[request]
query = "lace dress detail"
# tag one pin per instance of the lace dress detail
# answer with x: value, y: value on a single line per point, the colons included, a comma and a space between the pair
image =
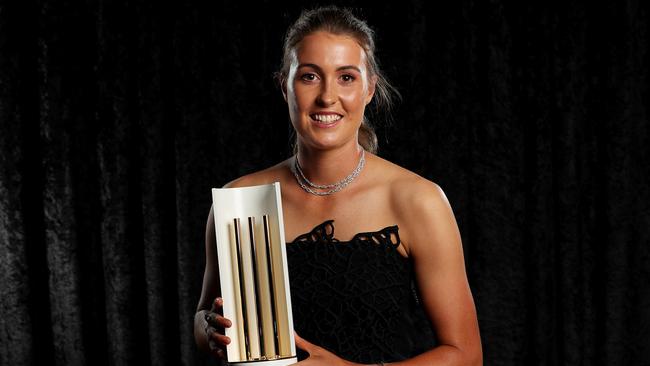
x: 357, y: 298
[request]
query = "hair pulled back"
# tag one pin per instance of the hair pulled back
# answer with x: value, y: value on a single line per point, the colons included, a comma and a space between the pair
x: 341, y: 21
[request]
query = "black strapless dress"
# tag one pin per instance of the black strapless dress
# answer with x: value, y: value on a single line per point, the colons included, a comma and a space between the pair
x: 357, y: 298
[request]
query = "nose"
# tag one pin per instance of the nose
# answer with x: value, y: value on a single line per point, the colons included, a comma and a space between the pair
x: 327, y: 95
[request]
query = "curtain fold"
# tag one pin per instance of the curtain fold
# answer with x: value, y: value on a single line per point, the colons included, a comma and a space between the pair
x: 14, y: 267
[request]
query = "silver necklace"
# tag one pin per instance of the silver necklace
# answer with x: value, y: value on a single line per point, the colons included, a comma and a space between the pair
x: 331, y: 188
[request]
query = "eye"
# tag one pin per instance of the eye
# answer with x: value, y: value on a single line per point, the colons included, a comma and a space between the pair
x: 347, y: 78
x: 308, y: 77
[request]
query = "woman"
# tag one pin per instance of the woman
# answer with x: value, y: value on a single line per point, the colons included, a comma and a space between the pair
x: 390, y: 286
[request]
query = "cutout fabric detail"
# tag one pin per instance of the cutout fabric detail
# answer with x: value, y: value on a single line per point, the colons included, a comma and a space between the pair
x: 324, y: 232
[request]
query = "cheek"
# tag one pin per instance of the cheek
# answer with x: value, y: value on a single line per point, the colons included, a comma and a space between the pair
x: 294, y: 100
x: 354, y: 100
x: 301, y: 97
x: 298, y: 102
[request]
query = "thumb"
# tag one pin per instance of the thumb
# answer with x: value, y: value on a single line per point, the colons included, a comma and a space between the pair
x: 303, y: 344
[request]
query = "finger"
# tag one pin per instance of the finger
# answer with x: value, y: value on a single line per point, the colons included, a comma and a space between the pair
x: 213, y: 335
x: 217, y: 304
x: 220, y: 339
x: 303, y: 344
x: 217, y: 320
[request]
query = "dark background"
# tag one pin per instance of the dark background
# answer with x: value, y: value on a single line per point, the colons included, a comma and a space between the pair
x: 117, y: 117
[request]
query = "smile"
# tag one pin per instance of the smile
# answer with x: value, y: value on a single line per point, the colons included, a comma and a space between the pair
x: 326, y: 119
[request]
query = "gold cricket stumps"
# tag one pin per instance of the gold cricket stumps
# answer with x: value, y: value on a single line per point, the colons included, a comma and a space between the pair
x: 253, y: 275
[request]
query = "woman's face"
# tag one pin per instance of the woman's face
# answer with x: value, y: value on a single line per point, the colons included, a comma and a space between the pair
x: 327, y: 90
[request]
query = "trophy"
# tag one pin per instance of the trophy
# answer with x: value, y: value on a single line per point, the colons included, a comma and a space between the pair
x: 253, y: 274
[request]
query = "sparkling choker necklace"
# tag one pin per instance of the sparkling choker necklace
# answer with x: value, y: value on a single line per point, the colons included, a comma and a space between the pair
x: 331, y: 188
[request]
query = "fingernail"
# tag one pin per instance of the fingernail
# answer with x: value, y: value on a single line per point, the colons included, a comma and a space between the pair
x: 229, y: 324
x: 219, y: 301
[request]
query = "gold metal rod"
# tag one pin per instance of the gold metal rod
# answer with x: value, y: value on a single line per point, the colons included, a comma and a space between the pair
x: 269, y: 261
x: 242, y: 288
x: 258, y: 301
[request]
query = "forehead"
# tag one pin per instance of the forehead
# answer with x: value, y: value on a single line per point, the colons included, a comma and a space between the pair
x: 323, y: 48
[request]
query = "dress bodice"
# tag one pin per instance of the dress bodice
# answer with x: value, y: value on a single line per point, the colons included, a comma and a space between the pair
x: 357, y: 298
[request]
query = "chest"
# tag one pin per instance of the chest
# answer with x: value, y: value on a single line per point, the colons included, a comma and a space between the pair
x: 351, y: 215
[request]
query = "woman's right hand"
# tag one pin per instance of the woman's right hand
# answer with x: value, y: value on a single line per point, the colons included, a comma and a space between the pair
x: 215, y: 329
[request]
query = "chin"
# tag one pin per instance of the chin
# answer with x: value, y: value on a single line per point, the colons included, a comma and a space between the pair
x: 325, y: 138
x: 323, y: 143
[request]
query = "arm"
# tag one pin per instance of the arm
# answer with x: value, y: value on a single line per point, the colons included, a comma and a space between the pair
x: 209, y: 301
x: 435, y: 247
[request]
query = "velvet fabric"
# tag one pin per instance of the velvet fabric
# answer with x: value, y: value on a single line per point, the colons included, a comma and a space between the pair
x: 117, y: 117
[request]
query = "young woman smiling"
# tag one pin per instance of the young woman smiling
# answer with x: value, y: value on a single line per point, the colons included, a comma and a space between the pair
x: 390, y: 286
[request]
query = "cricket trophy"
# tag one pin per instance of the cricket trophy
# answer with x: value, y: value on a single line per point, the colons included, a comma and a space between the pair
x: 253, y: 275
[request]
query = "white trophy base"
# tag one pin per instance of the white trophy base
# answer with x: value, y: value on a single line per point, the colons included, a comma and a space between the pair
x: 280, y: 362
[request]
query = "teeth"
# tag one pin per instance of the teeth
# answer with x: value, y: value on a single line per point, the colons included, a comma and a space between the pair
x: 327, y: 118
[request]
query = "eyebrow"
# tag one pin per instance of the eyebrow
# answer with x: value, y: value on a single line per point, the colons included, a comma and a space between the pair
x: 346, y: 67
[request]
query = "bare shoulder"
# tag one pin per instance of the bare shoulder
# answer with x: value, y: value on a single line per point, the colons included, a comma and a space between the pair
x: 269, y: 175
x: 415, y: 196
x: 420, y: 207
x: 409, y: 192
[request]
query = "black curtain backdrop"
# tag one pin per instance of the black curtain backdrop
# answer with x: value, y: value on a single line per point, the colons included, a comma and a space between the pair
x: 117, y: 117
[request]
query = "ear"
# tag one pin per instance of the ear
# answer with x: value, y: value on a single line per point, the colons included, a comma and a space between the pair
x: 372, y: 86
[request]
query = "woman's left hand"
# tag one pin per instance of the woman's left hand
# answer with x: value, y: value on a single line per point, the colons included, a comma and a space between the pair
x: 318, y: 355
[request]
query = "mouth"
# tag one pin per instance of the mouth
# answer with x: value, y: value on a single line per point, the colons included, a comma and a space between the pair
x: 325, y: 120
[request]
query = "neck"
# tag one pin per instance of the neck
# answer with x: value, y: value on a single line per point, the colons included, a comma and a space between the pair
x: 329, y: 166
